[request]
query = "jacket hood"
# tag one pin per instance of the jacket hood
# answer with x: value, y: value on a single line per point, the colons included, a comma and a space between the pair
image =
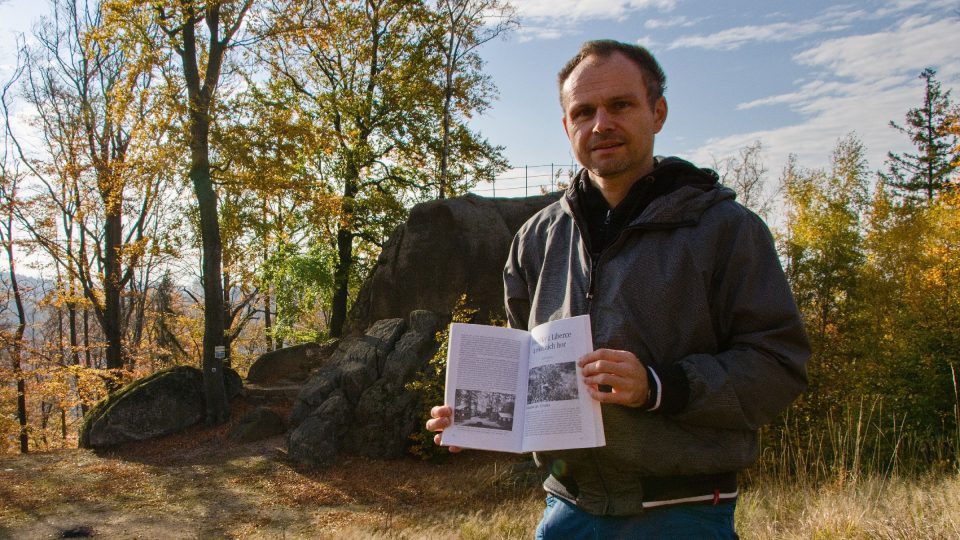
x: 681, y: 168
x: 687, y: 191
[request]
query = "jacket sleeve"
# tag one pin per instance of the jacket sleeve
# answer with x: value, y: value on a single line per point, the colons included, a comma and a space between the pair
x: 516, y: 293
x: 761, y: 366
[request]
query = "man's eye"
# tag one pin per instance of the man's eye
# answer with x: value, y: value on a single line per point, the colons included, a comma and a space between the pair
x: 580, y: 114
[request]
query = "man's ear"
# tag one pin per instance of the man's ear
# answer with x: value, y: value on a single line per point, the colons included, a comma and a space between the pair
x: 659, y: 114
x: 565, y: 128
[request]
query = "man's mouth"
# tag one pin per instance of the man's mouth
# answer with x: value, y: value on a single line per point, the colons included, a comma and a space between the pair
x: 605, y: 145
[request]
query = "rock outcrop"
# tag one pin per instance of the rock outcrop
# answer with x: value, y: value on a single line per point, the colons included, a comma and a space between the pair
x: 356, y: 402
x: 446, y: 248
x: 289, y: 364
x: 260, y: 423
x: 166, y: 402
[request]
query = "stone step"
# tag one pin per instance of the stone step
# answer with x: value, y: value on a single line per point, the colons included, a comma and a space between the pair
x: 274, y: 392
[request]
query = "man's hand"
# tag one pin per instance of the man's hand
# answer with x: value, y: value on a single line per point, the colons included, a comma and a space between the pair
x: 621, y: 371
x: 441, y: 417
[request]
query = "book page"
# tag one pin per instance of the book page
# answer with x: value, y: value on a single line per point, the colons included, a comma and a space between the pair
x: 486, y: 380
x: 559, y: 412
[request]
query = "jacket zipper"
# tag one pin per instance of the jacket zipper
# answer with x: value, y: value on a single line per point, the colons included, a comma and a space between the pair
x: 595, y: 261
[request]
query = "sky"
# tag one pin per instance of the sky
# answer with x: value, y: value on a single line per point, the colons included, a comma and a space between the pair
x: 795, y: 75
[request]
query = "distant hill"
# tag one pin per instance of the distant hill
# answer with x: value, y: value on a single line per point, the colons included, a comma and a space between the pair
x: 32, y: 291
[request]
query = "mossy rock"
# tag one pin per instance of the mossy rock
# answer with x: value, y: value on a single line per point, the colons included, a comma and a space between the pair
x: 166, y: 402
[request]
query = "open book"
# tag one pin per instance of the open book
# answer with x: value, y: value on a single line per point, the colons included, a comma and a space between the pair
x: 518, y: 391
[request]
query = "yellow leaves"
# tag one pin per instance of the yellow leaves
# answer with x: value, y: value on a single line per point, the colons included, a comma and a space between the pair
x: 934, y: 277
x: 135, y: 250
x: 951, y: 126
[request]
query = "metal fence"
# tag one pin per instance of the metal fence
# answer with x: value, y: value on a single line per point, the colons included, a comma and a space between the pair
x: 526, y: 180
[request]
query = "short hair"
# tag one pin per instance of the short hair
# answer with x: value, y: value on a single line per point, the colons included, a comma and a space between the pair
x: 653, y: 75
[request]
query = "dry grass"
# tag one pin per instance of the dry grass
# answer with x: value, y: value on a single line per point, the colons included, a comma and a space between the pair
x: 253, y: 495
x: 871, y: 508
x: 198, y: 485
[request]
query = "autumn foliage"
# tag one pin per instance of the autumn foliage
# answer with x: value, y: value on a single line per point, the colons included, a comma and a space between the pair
x: 326, y: 122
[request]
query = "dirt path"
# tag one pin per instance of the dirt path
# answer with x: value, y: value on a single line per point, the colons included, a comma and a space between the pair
x: 199, y: 486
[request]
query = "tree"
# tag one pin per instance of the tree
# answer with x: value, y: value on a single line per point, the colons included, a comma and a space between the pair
x: 364, y: 75
x: 911, y: 309
x: 168, y: 344
x: 466, y: 89
x: 745, y: 174
x: 823, y: 251
x: 180, y: 22
x: 10, y: 178
x: 953, y: 128
x: 264, y: 193
x: 928, y: 171
x: 201, y: 34
x: 356, y: 69
x: 98, y: 121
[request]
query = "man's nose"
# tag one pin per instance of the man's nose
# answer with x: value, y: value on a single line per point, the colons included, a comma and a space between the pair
x: 602, y: 121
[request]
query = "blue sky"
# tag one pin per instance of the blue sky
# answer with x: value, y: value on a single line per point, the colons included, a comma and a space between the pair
x: 795, y: 75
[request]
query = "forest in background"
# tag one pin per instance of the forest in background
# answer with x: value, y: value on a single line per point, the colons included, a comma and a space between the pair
x: 265, y: 151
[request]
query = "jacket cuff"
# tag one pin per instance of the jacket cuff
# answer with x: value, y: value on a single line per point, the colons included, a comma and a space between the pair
x: 669, y: 390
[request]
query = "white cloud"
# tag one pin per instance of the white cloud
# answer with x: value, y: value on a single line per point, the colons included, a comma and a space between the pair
x: 734, y: 38
x: 831, y: 117
x: 899, y: 6
x: 537, y: 32
x: 833, y: 19
x: 862, y: 82
x: 808, y: 90
x: 588, y: 9
x: 917, y: 42
x: 671, y: 22
x: 553, y: 19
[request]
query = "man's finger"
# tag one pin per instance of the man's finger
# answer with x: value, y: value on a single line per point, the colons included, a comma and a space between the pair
x: 440, y: 411
x: 438, y: 424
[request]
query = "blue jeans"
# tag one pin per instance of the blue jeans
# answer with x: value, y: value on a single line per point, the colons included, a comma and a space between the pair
x: 562, y: 520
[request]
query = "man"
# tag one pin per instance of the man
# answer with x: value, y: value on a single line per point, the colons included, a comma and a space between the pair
x: 699, y: 339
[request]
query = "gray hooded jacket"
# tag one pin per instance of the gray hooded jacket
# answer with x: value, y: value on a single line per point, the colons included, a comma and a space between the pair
x: 695, y: 280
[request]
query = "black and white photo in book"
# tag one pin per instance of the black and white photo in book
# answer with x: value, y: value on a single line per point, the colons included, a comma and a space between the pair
x: 553, y: 382
x: 491, y: 410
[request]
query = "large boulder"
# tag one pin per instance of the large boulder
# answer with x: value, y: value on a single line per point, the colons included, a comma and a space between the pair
x: 289, y: 364
x: 166, y: 402
x: 260, y: 423
x: 357, y: 403
x: 445, y: 249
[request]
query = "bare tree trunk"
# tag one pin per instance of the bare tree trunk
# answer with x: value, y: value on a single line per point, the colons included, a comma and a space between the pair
x: 17, y: 351
x: 112, y: 287
x: 228, y: 319
x: 341, y: 275
x: 213, y: 324
x: 267, y: 320
x: 267, y: 316
x: 341, y: 281
x: 86, y: 338
x: 447, y: 103
x: 22, y: 408
x: 200, y: 91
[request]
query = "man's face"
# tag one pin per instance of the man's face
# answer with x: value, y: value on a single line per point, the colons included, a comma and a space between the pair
x: 609, y: 120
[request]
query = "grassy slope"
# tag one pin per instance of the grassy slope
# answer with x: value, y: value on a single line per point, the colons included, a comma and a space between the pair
x: 198, y: 485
